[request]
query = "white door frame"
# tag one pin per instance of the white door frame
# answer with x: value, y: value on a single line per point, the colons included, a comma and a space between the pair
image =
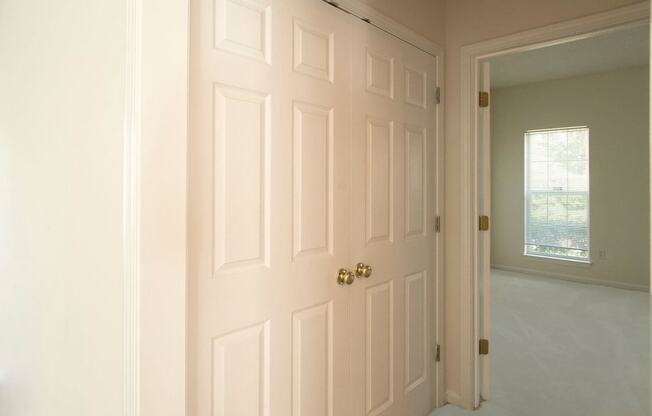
x: 154, y: 200
x: 471, y: 57
x: 154, y: 206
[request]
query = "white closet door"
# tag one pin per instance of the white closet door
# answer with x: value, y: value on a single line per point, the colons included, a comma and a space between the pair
x: 392, y: 225
x: 269, y: 208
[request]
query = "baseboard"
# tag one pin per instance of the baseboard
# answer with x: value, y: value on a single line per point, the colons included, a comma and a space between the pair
x: 573, y: 278
x: 453, y: 398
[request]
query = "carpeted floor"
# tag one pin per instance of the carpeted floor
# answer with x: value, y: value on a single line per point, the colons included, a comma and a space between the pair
x: 566, y: 349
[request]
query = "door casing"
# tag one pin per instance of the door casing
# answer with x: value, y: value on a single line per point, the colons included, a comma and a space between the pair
x: 154, y: 207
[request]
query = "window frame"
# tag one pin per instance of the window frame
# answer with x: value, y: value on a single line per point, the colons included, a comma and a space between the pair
x: 546, y: 257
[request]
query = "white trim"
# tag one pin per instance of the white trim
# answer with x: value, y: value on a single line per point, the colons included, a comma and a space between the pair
x: 453, y: 397
x: 471, y: 56
x: 154, y: 253
x: 390, y: 25
x: 131, y: 208
x: 572, y: 278
x: 558, y: 260
x: 484, y: 241
x: 440, y: 255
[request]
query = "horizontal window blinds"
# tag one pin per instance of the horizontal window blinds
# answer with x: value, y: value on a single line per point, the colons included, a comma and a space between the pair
x: 557, y: 193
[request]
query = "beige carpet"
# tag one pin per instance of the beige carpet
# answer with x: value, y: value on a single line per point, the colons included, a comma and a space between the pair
x: 566, y: 349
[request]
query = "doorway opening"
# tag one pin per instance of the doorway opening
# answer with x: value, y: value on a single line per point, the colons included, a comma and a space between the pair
x: 561, y: 151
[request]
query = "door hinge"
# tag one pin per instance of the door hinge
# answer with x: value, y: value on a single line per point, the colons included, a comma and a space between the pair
x: 483, y: 223
x: 438, y: 95
x: 437, y: 353
x: 437, y: 224
x: 484, y: 346
x: 483, y: 99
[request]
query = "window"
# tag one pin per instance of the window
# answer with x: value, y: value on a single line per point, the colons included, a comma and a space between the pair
x: 557, y: 193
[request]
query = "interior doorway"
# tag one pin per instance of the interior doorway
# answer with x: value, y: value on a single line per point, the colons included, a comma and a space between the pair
x: 553, y: 156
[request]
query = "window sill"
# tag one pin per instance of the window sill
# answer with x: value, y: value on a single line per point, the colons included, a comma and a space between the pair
x: 546, y: 259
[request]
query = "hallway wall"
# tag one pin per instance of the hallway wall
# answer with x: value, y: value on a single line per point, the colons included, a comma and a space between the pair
x: 614, y: 106
x: 467, y: 22
x: 62, y: 67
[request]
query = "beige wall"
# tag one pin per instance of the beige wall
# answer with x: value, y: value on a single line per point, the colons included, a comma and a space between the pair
x: 425, y: 17
x: 62, y: 70
x: 614, y: 106
x: 467, y: 22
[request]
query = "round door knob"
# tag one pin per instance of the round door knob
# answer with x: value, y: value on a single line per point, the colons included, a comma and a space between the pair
x: 345, y: 277
x: 363, y: 270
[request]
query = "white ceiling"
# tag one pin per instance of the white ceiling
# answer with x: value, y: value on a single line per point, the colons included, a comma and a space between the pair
x: 616, y: 50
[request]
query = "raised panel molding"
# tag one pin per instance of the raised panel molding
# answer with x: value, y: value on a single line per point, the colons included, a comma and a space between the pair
x: 313, y: 52
x: 241, y: 178
x: 415, y: 86
x: 243, y: 27
x: 380, y: 74
x: 312, y: 361
x: 415, y: 330
x: 313, y: 179
x: 380, y: 181
x: 241, y: 372
x: 379, y: 334
x: 415, y: 181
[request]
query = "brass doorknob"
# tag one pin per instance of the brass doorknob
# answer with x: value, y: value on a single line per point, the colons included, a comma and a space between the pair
x: 345, y: 277
x: 363, y: 270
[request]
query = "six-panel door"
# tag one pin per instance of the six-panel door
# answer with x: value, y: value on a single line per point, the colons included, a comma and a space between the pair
x: 393, y: 219
x: 269, y: 208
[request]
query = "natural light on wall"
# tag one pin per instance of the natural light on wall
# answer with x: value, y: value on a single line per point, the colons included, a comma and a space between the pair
x: 557, y: 193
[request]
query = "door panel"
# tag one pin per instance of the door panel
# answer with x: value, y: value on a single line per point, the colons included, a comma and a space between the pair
x: 380, y: 180
x: 241, y: 362
x: 392, y: 226
x: 416, y: 342
x: 241, y: 133
x: 312, y: 361
x: 415, y: 181
x: 268, y: 208
x: 379, y: 333
x: 313, y: 172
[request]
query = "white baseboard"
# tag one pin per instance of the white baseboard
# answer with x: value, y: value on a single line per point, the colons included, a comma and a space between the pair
x: 573, y: 278
x: 453, y: 398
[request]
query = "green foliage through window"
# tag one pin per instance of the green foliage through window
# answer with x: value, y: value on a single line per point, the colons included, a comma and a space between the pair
x: 557, y: 193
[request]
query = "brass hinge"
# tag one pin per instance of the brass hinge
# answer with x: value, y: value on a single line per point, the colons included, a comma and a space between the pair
x: 438, y: 95
x: 483, y: 99
x: 437, y: 224
x: 484, y: 346
x: 437, y: 353
x: 483, y: 223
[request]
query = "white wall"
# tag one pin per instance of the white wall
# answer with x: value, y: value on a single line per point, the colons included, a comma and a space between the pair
x: 62, y: 71
x: 614, y: 105
x: 467, y: 22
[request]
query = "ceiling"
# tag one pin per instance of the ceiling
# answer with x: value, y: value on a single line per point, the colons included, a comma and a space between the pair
x: 616, y: 50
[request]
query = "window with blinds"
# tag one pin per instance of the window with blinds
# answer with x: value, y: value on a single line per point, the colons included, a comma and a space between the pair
x: 557, y: 193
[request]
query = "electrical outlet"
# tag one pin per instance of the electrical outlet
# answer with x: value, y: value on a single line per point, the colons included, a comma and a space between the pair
x: 602, y: 253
